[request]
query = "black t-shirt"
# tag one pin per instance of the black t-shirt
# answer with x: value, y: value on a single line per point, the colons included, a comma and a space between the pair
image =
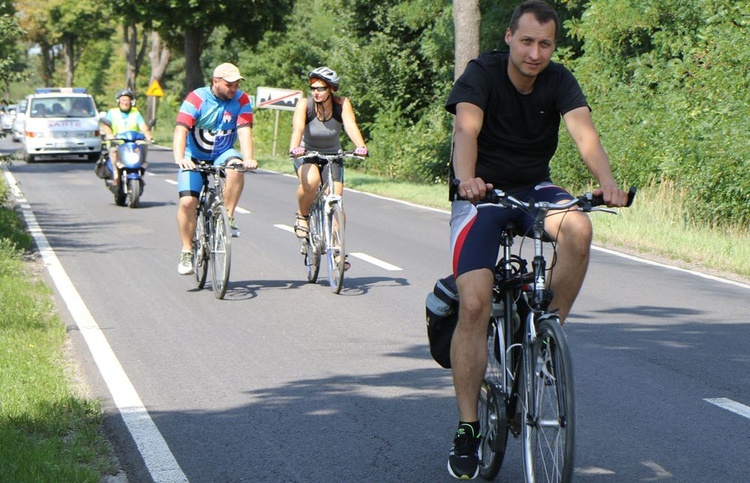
x: 520, y: 132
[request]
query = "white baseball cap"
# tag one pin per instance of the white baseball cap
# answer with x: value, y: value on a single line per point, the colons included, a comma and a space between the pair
x: 228, y: 72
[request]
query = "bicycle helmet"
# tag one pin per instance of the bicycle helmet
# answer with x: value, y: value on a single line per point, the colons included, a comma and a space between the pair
x: 326, y: 75
x: 125, y: 92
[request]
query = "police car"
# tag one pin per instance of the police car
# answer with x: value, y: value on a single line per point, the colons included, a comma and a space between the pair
x: 61, y: 122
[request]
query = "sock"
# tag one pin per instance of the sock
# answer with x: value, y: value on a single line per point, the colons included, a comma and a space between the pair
x: 474, y: 425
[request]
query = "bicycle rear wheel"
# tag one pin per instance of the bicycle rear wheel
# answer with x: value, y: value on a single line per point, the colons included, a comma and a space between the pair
x: 492, y: 412
x: 200, y: 258
x: 221, y: 251
x: 336, y: 251
x: 312, y: 247
x: 549, y: 422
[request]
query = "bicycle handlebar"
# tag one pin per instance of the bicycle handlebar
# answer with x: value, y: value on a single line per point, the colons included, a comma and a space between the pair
x: 586, y: 202
x: 331, y: 157
x: 216, y: 168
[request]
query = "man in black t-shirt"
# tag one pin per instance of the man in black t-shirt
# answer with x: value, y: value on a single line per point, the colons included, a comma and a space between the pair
x: 507, y: 110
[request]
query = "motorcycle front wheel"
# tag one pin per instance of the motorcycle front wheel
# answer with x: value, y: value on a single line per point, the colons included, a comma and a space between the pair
x: 134, y: 191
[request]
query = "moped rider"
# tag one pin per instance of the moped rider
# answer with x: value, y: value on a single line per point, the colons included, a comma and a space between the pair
x: 125, y: 117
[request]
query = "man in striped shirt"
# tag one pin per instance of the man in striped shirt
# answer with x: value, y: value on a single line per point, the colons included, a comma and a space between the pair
x: 210, y: 121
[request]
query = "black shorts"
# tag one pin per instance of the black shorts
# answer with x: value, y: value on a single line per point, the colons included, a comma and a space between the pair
x: 337, y: 168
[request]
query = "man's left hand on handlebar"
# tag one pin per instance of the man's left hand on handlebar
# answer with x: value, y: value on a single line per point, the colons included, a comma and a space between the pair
x: 250, y: 164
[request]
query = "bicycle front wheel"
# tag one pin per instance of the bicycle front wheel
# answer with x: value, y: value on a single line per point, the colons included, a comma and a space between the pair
x: 312, y: 247
x: 200, y: 253
x: 336, y: 252
x: 549, y: 423
x: 221, y: 251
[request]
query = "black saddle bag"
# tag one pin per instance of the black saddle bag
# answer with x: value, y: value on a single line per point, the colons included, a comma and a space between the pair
x: 441, y: 309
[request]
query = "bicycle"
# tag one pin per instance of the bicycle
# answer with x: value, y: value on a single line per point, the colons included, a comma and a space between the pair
x: 213, y: 234
x: 326, y: 224
x: 529, y: 387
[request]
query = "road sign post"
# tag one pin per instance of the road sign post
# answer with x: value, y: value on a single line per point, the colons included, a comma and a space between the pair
x: 153, y: 94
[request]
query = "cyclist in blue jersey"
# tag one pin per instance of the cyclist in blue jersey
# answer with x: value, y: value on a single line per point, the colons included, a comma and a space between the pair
x: 210, y: 120
x: 124, y: 117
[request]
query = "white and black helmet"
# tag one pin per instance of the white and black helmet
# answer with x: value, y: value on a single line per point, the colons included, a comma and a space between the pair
x: 125, y: 92
x: 326, y: 75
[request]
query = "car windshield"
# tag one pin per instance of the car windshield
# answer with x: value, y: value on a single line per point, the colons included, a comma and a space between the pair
x: 62, y: 107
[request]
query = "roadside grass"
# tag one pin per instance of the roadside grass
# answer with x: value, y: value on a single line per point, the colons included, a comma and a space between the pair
x: 655, y: 227
x: 48, y: 431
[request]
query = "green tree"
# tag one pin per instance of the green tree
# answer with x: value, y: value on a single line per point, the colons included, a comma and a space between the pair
x: 668, y: 83
x: 11, y: 59
x: 77, y: 25
x: 187, y: 26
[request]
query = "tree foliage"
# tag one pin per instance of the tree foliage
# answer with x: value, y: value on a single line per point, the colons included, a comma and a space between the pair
x: 671, y: 95
x: 187, y: 26
x: 11, y: 59
x: 667, y: 79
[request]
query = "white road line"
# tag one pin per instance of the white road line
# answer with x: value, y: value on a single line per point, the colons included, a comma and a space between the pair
x: 657, y: 264
x: 156, y: 454
x: 375, y: 261
x: 285, y: 228
x: 362, y: 256
x: 730, y: 405
x: 237, y: 209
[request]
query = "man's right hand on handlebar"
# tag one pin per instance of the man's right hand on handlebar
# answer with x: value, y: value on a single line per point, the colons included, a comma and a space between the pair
x: 185, y: 164
x: 472, y: 189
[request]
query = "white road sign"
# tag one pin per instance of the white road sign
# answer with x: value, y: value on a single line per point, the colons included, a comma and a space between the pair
x: 271, y: 98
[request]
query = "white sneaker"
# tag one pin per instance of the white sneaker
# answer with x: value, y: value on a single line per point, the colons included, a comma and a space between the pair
x: 186, y: 263
x: 234, y: 227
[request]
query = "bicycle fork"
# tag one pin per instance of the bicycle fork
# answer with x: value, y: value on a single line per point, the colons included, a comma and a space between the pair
x: 329, y: 202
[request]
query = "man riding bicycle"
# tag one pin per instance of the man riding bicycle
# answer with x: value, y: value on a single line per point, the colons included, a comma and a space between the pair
x: 507, y: 108
x: 210, y: 120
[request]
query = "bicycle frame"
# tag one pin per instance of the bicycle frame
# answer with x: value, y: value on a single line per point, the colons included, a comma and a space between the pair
x: 543, y: 384
x: 323, y: 203
x: 326, y: 224
x: 212, y: 240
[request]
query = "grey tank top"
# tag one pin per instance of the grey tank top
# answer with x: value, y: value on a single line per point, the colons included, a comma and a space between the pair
x: 323, y: 136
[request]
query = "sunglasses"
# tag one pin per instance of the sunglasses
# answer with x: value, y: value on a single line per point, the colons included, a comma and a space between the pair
x: 318, y: 89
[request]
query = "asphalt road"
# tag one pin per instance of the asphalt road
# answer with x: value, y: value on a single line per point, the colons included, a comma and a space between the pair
x: 285, y: 381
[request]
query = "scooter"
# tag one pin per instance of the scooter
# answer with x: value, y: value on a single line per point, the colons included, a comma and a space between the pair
x: 131, y: 157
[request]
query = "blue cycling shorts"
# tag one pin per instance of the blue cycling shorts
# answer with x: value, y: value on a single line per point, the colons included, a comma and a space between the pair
x: 476, y: 230
x: 190, y: 183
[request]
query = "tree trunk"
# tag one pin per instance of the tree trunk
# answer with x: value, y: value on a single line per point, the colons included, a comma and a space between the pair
x: 467, y: 20
x: 48, y: 64
x: 159, y: 57
x: 134, y: 53
x: 130, y: 42
x: 69, y: 54
x: 193, y: 49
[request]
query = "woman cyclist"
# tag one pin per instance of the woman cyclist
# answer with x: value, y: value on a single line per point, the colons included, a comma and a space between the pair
x: 317, y: 124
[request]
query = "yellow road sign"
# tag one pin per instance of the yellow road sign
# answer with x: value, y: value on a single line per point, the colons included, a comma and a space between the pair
x: 155, y: 89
